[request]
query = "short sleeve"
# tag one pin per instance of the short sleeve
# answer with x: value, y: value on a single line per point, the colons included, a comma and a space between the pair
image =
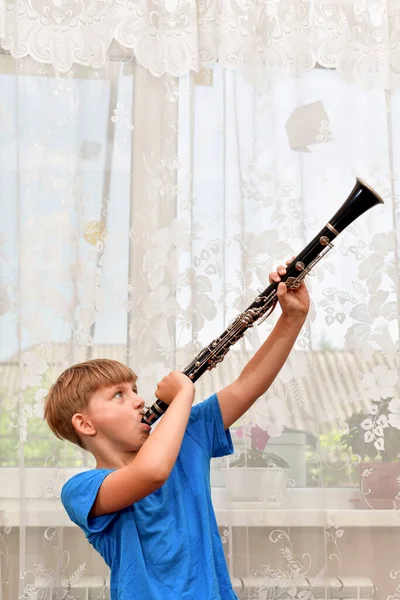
x: 206, y: 427
x: 78, y: 496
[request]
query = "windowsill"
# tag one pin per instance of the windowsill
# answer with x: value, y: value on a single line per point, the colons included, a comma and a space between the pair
x: 32, y: 508
x: 48, y: 513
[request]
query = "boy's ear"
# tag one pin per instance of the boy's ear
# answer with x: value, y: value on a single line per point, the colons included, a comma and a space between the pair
x: 83, y: 425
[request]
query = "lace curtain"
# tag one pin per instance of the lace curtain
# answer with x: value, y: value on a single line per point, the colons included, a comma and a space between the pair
x: 139, y: 215
x: 263, y: 38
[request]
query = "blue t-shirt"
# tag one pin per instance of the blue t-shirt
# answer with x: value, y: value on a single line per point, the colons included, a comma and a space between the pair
x: 167, y: 545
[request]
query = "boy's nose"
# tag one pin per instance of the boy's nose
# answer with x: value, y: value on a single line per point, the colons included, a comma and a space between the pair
x: 139, y: 402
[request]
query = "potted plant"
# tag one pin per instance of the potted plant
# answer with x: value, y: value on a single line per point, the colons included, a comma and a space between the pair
x: 254, y: 475
x: 374, y: 441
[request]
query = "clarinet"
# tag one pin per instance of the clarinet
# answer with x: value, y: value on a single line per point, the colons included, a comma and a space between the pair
x: 361, y: 199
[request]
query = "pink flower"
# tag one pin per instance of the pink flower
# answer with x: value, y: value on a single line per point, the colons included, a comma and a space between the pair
x: 259, y: 438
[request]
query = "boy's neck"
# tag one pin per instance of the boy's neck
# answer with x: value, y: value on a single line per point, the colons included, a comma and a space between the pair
x: 112, y: 459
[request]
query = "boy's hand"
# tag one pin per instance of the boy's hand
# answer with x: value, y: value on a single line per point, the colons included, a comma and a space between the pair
x: 173, y: 383
x: 293, y: 301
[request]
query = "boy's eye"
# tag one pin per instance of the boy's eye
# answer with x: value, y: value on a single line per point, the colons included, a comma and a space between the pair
x: 118, y: 394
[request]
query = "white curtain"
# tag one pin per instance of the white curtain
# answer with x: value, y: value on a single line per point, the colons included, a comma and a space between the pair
x: 264, y: 38
x: 142, y: 207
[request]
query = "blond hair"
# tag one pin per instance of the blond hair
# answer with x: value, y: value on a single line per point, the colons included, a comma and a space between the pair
x: 72, y: 391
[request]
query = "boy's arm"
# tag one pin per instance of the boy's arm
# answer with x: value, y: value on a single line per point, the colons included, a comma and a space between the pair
x: 261, y: 370
x: 153, y: 463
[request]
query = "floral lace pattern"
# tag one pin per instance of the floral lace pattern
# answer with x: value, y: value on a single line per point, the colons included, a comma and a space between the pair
x: 264, y: 39
x: 137, y: 222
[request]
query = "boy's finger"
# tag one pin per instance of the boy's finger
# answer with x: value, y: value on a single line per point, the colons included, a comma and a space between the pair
x: 282, y: 289
x: 281, y: 270
x: 274, y: 277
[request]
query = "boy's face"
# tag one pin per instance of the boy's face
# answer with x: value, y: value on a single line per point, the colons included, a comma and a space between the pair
x: 116, y: 414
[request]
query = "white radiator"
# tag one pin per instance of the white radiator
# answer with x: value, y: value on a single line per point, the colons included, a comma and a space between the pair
x: 87, y: 588
x: 257, y: 588
x: 329, y: 588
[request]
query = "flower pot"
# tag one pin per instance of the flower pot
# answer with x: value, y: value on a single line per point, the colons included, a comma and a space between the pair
x: 291, y: 446
x: 379, y: 485
x: 256, y: 484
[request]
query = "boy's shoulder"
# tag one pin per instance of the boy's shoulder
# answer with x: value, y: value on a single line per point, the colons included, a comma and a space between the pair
x: 206, y: 428
x: 83, y: 478
x: 204, y: 408
x: 79, y: 493
x: 82, y: 485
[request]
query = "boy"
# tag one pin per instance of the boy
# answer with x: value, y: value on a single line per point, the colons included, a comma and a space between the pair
x: 146, y: 508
